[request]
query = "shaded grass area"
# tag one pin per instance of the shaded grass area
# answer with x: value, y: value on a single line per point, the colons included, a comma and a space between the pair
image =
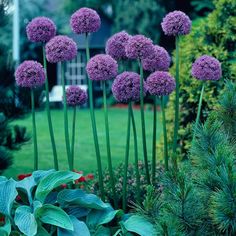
x: 85, y: 158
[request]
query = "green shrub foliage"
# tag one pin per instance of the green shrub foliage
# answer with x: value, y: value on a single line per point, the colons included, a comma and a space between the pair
x: 213, y: 35
x: 200, y: 198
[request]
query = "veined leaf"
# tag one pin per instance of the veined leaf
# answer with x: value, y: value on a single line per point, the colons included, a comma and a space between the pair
x: 8, y: 194
x: 53, y: 180
x: 5, y: 230
x: 53, y: 215
x: 81, y: 199
x: 39, y: 174
x: 140, y: 226
x: 80, y: 229
x: 25, y: 220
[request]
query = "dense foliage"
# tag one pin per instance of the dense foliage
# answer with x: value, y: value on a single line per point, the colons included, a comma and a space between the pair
x: 200, y: 198
x: 213, y: 35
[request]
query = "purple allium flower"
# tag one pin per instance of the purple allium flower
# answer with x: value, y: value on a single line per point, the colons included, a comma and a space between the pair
x: 85, y: 20
x: 139, y: 47
x: 159, y: 60
x: 115, y: 46
x: 61, y: 48
x: 75, y: 96
x: 126, y: 87
x: 206, y: 68
x: 176, y: 23
x: 40, y: 29
x: 102, y: 67
x: 30, y: 74
x: 160, y: 83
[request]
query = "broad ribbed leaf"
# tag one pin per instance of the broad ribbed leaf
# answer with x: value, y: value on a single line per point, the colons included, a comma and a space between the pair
x: 79, y: 198
x: 42, y: 232
x: 102, y: 231
x: 80, y: 229
x: 53, y: 215
x: 39, y: 174
x: 53, y: 180
x: 5, y: 230
x: 26, y: 185
x: 8, y: 194
x: 3, y: 178
x: 100, y: 217
x: 25, y: 220
x: 78, y: 212
x: 140, y: 226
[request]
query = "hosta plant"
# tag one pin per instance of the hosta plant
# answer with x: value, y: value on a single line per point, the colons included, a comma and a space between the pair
x: 38, y: 205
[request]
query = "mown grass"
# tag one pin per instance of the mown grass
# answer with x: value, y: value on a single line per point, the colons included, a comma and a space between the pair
x: 85, y: 158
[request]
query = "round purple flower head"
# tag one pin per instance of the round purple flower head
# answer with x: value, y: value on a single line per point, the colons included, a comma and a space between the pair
x: 159, y: 60
x: 206, y: 68
x: 139, y: 47
x: 85, y: 20
x: 61, y: 48
x: 40, y: 29
x: 115, y: 46
x: 160, y: 83
x: 76, y: 96
x: 126, y: 87
x: 30, y: 74
x: 102, y: 67
x: 176, y: 23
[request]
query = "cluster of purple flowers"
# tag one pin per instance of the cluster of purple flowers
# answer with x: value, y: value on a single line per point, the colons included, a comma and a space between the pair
x: 126, y: 87
x: 75, y: 96
x: 30, y: 74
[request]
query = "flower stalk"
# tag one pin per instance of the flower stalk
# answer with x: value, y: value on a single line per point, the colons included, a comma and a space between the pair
x: 143, y: 123
x: 154, y: 138
x: 73, y: 138
x: 93, y: 121
x: 49, y: 112
x: 34, y: 130
x: 112, y: 181
x: 124, y: 192
x: 66, y: 129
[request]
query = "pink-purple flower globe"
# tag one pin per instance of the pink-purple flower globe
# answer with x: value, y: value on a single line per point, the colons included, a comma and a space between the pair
x: 206, y: 68
x: 30, y: 74
x: 85, y: 20
x: 139, y: 47
x: 115, y: 46
x: 160, y: 83
x: 176, y: 23
x: 40, y: 29
x: 159, y: 60
x: 75, y: 96
x: 126, y: 87
x: 102, y: 67
x: 61, y: 48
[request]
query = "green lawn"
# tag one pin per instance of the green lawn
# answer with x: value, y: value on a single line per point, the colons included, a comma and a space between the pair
x: 84, y: 150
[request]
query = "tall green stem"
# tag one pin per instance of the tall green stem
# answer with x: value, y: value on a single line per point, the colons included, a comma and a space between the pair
x: 176, y: 126
x: 73, y: 137
x: 136, y: 155
x: 164, y: 133
x: 67, y: 139
x: 154, y: 139
x: 34, y: 131
x: 49, y: 113
x: 93, y: 121
x: 124, y: 193
x: 112, y: 181
x: 199, y: 107
x: 143, y: 123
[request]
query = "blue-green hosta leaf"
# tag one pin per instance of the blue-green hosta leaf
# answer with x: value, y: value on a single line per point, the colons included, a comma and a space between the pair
x: 5, y: 230
x: 39, y: 174
x: 102, y: 231
x: 8, y: 194
x: 53, y: 215
x: 81, y: 199
x: 26, y: 185
x: 3, y: 178
x: 42, y: 232
x: 100, y: 217
x: 80, y: 229
x: 140, y: 226
x: 53, y: 180
x: 78, y: 212
x: 25, y: 220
